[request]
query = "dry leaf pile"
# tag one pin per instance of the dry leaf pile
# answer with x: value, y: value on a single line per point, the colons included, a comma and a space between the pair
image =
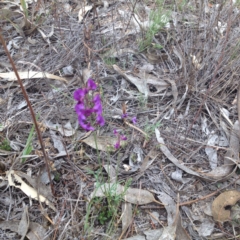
x: 177, y: 175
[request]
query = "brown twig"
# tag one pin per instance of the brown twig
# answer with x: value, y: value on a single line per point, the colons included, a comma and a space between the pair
x: 30, y: 108
x: 238, y: 104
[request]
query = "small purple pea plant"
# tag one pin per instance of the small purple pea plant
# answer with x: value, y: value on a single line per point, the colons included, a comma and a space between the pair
x: 119, y: 138
x: 87, y: 107
x: 125, y: 115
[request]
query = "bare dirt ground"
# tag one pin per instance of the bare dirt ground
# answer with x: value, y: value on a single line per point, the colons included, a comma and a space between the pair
x: 175, y: 66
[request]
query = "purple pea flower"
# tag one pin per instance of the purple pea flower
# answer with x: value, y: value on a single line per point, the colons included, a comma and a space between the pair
x: 80, y: 94
x: 100, y: 120
x: 119, y: 138
x: 85, y: 108
x: 91, y: 85
x: 134, y: 120
x: 125, y: 115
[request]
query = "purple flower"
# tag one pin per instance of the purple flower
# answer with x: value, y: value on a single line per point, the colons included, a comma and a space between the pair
x: 100, y: 120
x: 86, y: 108
x: 134, y: 120
x: 117, y: 145
x: 85, y: 126
x: 97, y: 99
x: 80, y: 94
x: 124, y: 115
x: 91, y: 85
x: 119, y: 138
x: 123, y: 138
x: 81, y: 110
x: 97, y: 104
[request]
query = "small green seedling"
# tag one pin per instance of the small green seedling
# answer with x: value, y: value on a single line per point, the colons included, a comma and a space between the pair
x: 4, y: 145
x: 28, y: 148
x: 109, y: 61
x: 24, y: 7
x: 158, y: 19
x: 142, y: 99
x: 105, y: 209
x: 150, y: 129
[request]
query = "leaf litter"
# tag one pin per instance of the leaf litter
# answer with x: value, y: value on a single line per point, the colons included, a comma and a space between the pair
x: 184, y: 81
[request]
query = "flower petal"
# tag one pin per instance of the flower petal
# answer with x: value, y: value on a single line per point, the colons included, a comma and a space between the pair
x: 97, y: 99
x: 117, y: 145
x: 91, y: 85
x: 86, y: 126
x: 124, y: 138
x: 79, y: 94
x: 124, y: 115
x: 100, y: 120
x: 134, y: 120
x: 98, y: 108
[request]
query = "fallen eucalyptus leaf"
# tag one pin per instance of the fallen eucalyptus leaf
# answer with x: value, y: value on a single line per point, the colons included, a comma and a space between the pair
x: 168, y: 154
x: 24, y: 223
x: 103, y: 143
x: 57, y: 142
x: 66, y: 130
x: 36, y: 231
x: 206, y: 228
x: 230, y: 159
x: 82, y: 11
x: 16, y: 181
x: 126, y: 216
x: 142, y: 81
x: 170, y: 206
x: 30, y: 74
x: 211, y: 151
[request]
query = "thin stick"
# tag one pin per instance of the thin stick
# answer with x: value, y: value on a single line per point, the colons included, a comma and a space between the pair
x: 31, y: 110
x: 138, y: 129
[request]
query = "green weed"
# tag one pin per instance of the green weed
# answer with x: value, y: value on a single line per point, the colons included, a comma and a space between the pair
x: 5, y: 145
x: 28, y: 148
x: 109, y: 61
x: 150, y: 129
x: 142, y: 101
x: 24, y: 7
x: 158, y: 19
x: 105, y: 209
x: 57, y: 176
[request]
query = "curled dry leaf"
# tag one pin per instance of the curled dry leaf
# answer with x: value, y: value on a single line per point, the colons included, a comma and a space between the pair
x: 31, y: 74
x: 228, y: 198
